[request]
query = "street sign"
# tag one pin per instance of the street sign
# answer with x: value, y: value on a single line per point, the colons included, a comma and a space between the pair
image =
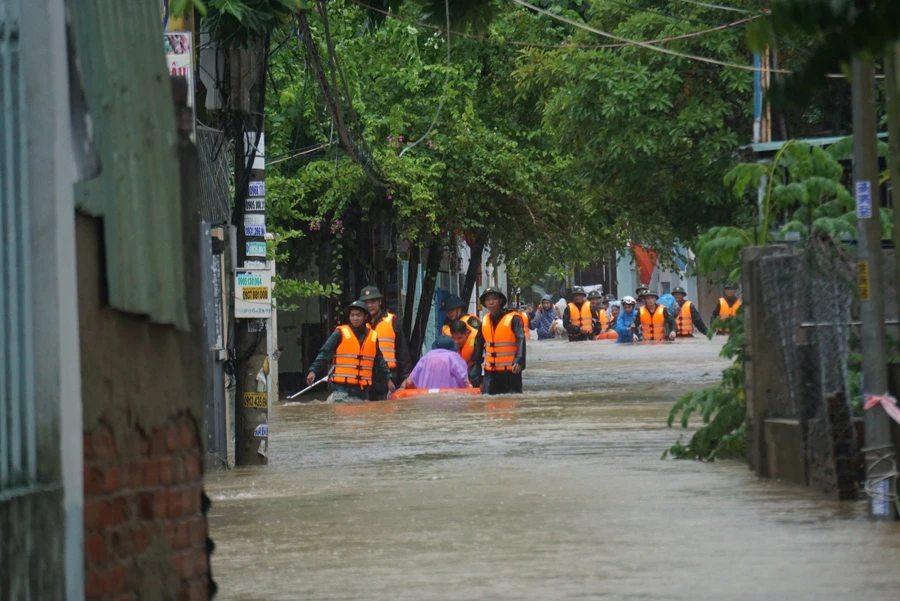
x: 255, y: 249
x: 258, y: 188
x: 255, y: 204
x: 864, y: 199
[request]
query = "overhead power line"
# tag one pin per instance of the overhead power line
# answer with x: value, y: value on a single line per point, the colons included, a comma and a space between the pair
x: 718, y: 7
x: 692, y: 34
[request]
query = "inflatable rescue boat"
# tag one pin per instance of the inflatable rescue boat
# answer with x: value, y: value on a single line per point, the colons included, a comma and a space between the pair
x: 406, y: 393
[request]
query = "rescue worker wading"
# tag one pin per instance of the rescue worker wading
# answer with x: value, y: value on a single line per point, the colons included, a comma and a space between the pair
x: 500, y: 346
x: 453, y: 306
x: 727, y: 307
x: 465, y: 340
x: 352, y: 352
x: 579, y: 317
x: 654, y: 322
x: 390, y: 340
x: 601, y: 321
x: 686, y: 315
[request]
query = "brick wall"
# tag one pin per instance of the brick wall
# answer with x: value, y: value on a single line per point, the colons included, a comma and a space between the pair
x: 145, y: 529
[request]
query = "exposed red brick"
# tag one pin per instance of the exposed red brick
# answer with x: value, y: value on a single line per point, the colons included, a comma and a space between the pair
x: 135, y: 473
x: 173, y: 438
x: 111, y: 480
x: 166, y: 471
x: 104, y: 447
x: 88, y: 447
x: 142, y: 444
x: 116, y: 578
x: 93, y: 585
x: 94, y: 548
x: 93, y: 514
x: 93, y: 482
x: 199, y: 590
x: 141, y: 539
x: 178, y: 470
x: 192, y: 468
x: 183, y: 564
x: 115, y: 512
x: 123, y: 542
x: 188, y: 437
x: 175, y: 503
x: 153, y: 505
x: 151, y: 472
x: 179, y: 534
x: 201, y: 562
x: 198, y: 531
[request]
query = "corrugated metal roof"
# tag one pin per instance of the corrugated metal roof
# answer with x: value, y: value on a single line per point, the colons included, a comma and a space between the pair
x: 138, y: 191
x: 767, y: 147
x: 215, y: 175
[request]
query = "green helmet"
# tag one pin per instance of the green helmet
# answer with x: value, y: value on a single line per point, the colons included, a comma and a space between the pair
x: 729, y: 286
x: 608, y: 298
x: 370, y: 293
x: 452, y: 302
x: 648, y: 292
x: 640, y: 290
x: 578, y: 290
x: 493, y: 290
x: 594, y: 294
x: 356, y: 305
x: 679, y: 290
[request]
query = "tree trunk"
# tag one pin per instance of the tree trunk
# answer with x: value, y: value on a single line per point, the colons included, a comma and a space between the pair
x: 412, y: 276
x: 472, y: 271
x: 435, y: 252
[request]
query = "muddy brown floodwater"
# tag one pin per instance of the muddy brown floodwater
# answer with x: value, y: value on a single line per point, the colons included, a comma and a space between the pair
x: 556, y: 494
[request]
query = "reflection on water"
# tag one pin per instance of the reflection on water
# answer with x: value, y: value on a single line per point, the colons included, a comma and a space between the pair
x: 555, y: 494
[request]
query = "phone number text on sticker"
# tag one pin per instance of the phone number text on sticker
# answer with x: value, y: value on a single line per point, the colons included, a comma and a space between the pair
x: 256, y: 400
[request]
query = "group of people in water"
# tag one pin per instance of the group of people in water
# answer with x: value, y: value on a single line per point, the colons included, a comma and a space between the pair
x: 368, y: 358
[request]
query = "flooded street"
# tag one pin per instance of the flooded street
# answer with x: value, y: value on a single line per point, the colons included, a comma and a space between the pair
x: 556, y: 494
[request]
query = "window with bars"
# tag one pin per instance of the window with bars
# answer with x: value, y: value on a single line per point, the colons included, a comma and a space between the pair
x: 18, y: 457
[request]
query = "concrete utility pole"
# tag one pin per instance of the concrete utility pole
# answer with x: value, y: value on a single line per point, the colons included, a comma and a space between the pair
x: 879, y: 449
x: 892, y: 71
x: 252, y: 284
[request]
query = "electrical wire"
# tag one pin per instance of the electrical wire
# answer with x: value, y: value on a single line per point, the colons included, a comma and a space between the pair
x: 446, y: 87
x: 692, y: 34
x: 718, y: 7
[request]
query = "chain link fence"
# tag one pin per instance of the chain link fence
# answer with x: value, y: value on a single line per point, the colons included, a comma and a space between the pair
x: 808, y: 307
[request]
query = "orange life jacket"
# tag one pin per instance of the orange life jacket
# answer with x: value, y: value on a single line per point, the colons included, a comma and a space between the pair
x: 465, y: 319
x: 354, y: 362
x: 685, y: 320
x: 525, y: 322
x: 726, y: 312
x: 582, y: 318
x: 653, y: 325
x: 499, y: 343
x: 467, y: 349
x: 386, y: 339
x: 604, y: 319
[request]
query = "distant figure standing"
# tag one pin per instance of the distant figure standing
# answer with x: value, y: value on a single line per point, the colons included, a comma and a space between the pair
x: 391, y: 341
x: 654, y: 322
x: 727, y: 307
x: 543, y: 318
x: 441, y: 367
x: 579, y: 316
x: 686, y: 315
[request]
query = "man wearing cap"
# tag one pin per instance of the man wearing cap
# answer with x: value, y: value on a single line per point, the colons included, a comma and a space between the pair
x: 441, y: 367
x: 654, y: 322
x: 579, y: 317
x: 500, y: 346
x: 639, y: 295
x: 727, y: 307
x: 391, y: 341
x: 686, y: 315
x: 353, y: 354
x: 453, y: 306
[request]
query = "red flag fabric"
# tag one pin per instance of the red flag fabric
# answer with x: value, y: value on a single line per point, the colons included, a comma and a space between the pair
x: 646, y: 262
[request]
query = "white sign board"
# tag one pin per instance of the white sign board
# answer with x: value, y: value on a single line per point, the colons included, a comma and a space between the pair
x: 259, y: 159
x: 252, y: 294
x: 258, y: 188
x: 254, y: 224
x: 255, y: 249
x: 255, y: 204
x: 254, y: 264
x: 864, y: 199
